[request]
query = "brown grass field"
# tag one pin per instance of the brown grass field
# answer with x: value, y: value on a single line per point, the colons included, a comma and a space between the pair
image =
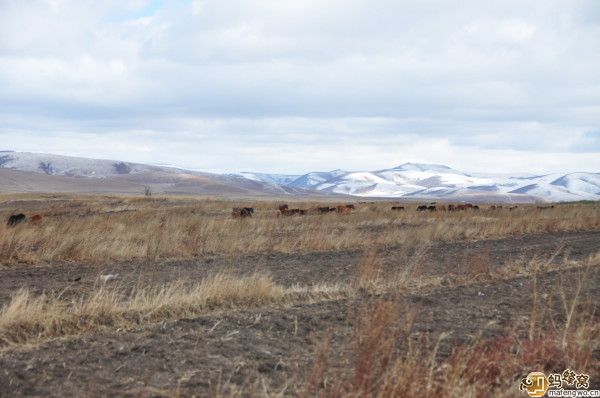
x: 172, y: 296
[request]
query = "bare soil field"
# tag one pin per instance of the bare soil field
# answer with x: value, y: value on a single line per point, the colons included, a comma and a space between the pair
x: 371, y: 303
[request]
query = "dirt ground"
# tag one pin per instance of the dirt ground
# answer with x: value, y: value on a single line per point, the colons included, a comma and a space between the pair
x: 74, y: 279
x: 271, y: 349
x: 275, y: 345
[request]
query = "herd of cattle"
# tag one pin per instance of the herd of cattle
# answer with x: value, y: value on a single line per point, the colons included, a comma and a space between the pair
x: 285, y: 211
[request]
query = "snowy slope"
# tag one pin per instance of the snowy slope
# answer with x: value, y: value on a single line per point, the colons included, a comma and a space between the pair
x: 311, y: 180
x: 276, y: 179
x: 567, y: 187
x: 67, y: 165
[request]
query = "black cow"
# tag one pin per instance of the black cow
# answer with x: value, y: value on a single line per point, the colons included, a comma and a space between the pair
x: 243, y: 212
x: 16, y: 219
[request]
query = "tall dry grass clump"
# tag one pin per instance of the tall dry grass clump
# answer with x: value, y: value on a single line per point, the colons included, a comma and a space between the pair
x: 29, y: 318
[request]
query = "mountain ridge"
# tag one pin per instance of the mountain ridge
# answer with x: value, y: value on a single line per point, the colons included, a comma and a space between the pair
x: 407, y: 180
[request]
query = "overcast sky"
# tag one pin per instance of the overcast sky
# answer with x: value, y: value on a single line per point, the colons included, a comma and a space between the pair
x: 295, y: 86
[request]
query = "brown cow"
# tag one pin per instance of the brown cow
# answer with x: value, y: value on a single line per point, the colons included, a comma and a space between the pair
x: 465, y: 206
x: 283, y: 207
x: 36, y: 219
x: 291, y: 212
x: 398, y: 208
x: 422, y: 208
x: 344, y: 209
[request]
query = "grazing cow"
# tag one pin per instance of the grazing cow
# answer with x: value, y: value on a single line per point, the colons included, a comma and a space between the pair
x: 475, y: 207
x: 16, y: 219
x: 283, y: 207
x: 325, y: 210
x: 242, y: 212
x: 432, y: 208
x: 36, y: 219
x: 344, y: 209
x: 291, y: 212
x: 465, y: 206
x: 422, y: 208
x: 398, y: 208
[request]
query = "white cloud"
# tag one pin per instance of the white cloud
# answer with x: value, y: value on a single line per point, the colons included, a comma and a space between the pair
x: 327, y: 84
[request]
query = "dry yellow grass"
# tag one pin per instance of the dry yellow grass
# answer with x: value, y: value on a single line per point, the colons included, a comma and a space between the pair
x: 119, y: 229
x: 28, y: 318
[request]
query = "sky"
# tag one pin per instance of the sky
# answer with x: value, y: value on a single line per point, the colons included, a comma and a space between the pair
x: 304, y: 85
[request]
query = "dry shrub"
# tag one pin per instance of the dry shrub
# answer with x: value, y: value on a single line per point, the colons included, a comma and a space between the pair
x: 374, y: 345
x: 368, y: 270
x: 388, y: 362
x: 317, y: 377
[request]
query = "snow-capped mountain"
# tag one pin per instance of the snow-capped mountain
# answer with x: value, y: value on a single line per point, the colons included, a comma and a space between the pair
x: 409, y: 180
x: 415, y: 180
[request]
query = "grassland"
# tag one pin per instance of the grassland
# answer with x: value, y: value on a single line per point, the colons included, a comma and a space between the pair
x: 117, y: 229
x: 171, y: 296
